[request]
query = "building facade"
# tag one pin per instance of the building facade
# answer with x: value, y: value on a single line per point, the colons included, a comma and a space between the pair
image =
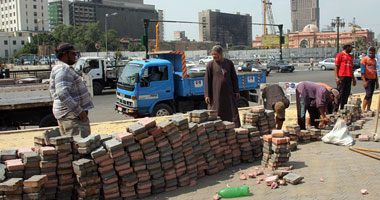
x: 225, y: 28
x: 304, y: 12
x: 24, y: 15
x: 127, y: 20
x: 58, y: 13
x: 311, y: 37
x: 10, y: 42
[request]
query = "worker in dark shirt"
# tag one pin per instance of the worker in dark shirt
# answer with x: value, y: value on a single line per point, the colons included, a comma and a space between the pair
x: 313, y: 98
x: 274, y: 99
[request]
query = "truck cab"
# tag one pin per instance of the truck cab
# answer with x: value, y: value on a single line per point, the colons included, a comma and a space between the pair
x: 146, y: 83
x: 102, y: 73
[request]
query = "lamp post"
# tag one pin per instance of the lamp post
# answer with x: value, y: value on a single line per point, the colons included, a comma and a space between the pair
x: 105, y: 27
x: 38, y: 30
x: 338, y: 22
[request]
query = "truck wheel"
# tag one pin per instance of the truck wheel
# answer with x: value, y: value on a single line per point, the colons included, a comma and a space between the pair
x: 162, y: 109
x: 97, y: 88
x: 48, y: 121
x: 242, y: 102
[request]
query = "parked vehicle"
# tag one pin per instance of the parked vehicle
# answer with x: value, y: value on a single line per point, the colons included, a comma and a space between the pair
x: 356, y: 64
x: 326, y: 64
x: 162, y: 86
x: 190, y: 63
x: 206, y: 60
x: 358, y: 74
x: 253, y: 65
x: 103, y: 74
x: 280, y: 65
x: 25, y: 104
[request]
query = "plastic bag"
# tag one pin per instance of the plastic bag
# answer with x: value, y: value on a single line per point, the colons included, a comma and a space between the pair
x: 234, y: 192
x: 340, y: 135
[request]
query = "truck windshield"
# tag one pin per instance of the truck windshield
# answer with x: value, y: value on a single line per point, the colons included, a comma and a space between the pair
x: 79, y: 65
x: 127, y: 77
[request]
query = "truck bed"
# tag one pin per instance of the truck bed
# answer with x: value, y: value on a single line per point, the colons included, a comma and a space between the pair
x: 195, y: 86
x: 24, y: 96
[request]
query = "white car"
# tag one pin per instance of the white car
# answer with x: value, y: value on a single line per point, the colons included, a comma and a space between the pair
x: 190, y: 63
x: 206, y: 60
x: 357, y: 74
x: 328, y: 63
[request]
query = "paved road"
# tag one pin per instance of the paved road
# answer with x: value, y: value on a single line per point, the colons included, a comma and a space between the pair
x: 104, y: 104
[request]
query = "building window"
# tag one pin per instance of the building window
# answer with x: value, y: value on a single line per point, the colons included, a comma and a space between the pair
x: 6, y: 53
x: 14, y: 42
x: 34, y: 6
x: 20, y: 34
x: 22, y: 42
x: 35, y: 14
x: 5, y: 42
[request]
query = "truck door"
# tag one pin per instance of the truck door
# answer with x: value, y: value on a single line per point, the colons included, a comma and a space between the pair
x: 155, y: 87
x: 93, y: 68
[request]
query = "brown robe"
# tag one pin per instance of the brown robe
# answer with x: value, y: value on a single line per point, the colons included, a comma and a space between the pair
x: 221, y: 84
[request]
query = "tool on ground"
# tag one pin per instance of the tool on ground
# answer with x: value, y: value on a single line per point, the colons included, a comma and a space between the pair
x: 364, y: 152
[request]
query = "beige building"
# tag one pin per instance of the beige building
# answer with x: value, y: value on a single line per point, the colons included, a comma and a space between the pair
x: 304, y: 12
x: 24, y: 15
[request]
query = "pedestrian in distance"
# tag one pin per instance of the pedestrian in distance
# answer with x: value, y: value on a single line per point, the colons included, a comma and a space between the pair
x: 72, y: 101
x: 311, y: 64
x: 344, y: 74
x: 369, y: 76
x: 275, y: 99
x: 222, y: 87
x: 314, y: 99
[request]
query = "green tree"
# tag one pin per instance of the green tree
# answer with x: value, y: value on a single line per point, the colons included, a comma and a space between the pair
x: 118, y: 55
x: 135, y: 47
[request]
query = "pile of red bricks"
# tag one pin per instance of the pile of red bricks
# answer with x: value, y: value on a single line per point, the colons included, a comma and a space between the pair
x: 262, y: 119
x: 146, y: 159
x: 276, y: 150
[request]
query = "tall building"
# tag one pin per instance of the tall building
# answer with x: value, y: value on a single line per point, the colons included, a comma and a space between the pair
x: 24, y: 15
x: 225, y: 28
x: 304, y: 12
x: 58, y: 13
x: 124, y: 16
x: 161, y: 28
x: 10, y: 42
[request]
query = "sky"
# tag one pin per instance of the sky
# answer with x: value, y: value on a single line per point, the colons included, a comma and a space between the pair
x: 366, y: 13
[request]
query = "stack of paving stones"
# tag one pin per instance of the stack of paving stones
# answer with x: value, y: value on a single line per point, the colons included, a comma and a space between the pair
x: 250, y: 118
x: 48, y: 166
x: 242, y: 136
x: 180, y: 147
x: 84, y: 146
x: 281, y: 150
x: 136, y: 153
x: 63, y: 146
x: 88, y: 181
x: 14, y: 166
x: 11, y: 189
x: 271, y: 119
x: 127, y: 178
x: 294, y: 131
x: 152, y: 159
x: 198, y: 116
x: 304, y: 136
x: 166, y: 157
x: 212, y: 115
x: 110, y: 180
x: 200, y: 149
x: 315, y: 134
x: 191, y: 156
x: 221, y: 144
x: 255, y: 140
x: 207, y: 150
x: 267, y: 150
x: 229, y: 128
x: 31, y: 162
x: 34, y: 187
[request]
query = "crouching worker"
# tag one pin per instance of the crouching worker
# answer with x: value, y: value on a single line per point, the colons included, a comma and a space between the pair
x: 313, y: 98
x: 275, y: 99
x: 369, y: 76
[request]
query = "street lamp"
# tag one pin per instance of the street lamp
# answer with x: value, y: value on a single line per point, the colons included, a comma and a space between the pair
x: 38, y: 38
x: 337, y: 23
x: 105, y: 25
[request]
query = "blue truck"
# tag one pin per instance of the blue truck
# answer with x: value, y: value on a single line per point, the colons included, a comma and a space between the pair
x: 161, y: 86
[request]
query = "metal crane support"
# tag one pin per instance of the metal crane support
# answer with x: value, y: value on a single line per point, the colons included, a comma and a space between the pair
x: 268, y: 16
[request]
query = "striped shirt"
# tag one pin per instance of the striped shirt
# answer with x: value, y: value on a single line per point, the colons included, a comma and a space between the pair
x: 68, y: 91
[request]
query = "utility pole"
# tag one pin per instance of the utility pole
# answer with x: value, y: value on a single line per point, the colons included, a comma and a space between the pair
x: 280, y: 27
x: 338, y: 22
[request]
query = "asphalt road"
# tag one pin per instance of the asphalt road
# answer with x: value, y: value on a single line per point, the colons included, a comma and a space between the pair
x: 104, y: 104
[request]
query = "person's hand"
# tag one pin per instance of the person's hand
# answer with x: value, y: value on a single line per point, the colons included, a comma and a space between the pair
x: 365, y: 83
x: 353, y: 81
x: 207, y: 100
x: 237, y: 96
x: 377, y: 85
x: 82, y: 116
x: 337, y: 81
